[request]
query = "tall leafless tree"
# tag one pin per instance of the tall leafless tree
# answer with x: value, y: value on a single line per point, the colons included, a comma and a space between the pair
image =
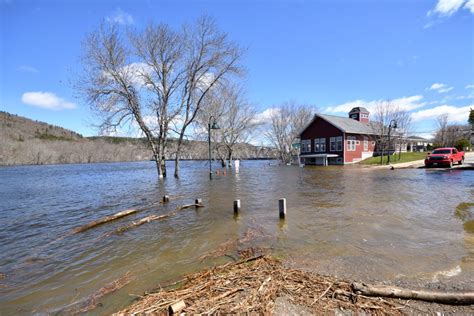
x: 442, y: 124
x: 287, y: 121
x: 154, y: 77
x: 235, y: 117
x: 110, y: 84
x: 211, y: 57
x: 385, y: 114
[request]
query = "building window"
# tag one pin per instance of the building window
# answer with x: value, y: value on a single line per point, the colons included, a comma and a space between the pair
x: 306, y: 145
x: 339, y: 143
x: 366, y: 143
x: 320, y: 145
x: 351, y: 143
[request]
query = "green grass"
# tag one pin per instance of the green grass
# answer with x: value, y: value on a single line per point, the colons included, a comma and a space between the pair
x: 462, y: 210
x: 405, y: 157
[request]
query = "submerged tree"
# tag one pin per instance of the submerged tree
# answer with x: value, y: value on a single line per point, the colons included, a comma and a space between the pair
x: 210, y: 58
x: 235, y: 117
x: 287, y: 122
x: 155, y: 77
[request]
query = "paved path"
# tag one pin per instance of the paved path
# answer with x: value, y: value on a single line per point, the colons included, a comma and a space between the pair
x: 468, y: 164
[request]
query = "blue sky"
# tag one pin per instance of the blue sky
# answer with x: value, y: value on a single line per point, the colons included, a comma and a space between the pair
x: 332, y: 54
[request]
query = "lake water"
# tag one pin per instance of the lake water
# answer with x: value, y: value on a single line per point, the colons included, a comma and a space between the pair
x: 349, y: 221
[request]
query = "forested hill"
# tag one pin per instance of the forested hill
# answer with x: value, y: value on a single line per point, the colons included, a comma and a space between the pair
x: 25, y: 141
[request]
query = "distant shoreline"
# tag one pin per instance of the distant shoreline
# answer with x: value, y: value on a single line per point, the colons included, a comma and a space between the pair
x: 124, y: 161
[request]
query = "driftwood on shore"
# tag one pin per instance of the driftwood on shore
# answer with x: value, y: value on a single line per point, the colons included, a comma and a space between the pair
x: 253, y: 285
x: 452, y: 298
x: 103, y: 221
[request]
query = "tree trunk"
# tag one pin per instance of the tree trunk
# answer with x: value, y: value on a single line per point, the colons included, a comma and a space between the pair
x: 178, y: 154
x: 176, y: 164
x: 158, y: 166
x: 230, y: 158
x: 457, y: 298
x: 382, y: 146
x: 400, y: 149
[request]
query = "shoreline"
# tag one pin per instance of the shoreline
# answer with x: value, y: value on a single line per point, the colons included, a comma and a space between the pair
x: 260, y: 283
x: 123, y: 161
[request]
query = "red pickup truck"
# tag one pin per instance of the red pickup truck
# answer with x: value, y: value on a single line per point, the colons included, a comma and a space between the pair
x: 444, y: 156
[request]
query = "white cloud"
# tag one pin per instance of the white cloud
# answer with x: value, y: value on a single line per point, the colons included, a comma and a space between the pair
x: 447, y: 7
x: 265, y: 116
x: 469, y: 6
x: 425, y: 135
x: 404, y: 103
x: 440, y: 87
x: 470, y: 86
x: 134, y: 73
x: 456, y: 114
x: 120, y: 17
x: 464, y: 97
x: 46, y: 100
x: 27, y: 68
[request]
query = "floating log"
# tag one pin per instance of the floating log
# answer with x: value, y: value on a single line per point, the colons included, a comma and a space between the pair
x: 176, y: 307
x: 140, y: 222
x: 182, y: 207
x: 151, y: 218
x: 452, y: 298
x: 103, y: 221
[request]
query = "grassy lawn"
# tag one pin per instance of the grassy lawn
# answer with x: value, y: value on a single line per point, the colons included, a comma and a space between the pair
x: 406, y: 157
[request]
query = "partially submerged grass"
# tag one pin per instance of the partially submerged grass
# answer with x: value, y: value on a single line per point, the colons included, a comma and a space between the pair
x: 463, y: 210
x: 405, y: 157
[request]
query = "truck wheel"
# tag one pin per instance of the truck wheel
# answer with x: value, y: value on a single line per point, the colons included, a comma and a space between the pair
x: 451, y: 164
x: 461, y: 161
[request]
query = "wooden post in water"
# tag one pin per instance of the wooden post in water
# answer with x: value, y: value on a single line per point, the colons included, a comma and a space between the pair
x: 166, y: 199
x: 198, y: 201
x: 236, y: 207
x: 282, y: 207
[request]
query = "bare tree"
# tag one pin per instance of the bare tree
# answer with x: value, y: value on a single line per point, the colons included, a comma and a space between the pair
x: 442, y: 127
x: 210, y: 58
x: 287, y: 121
x: 110, y: 86
x: 162, y: 51
x: 152, y: 78
x: 404, y: 129
x: 235, y: 116
x: 387, y: 113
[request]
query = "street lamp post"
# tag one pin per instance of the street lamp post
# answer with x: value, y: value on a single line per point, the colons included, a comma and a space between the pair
x: 209, y: 127
x: 393, y: 124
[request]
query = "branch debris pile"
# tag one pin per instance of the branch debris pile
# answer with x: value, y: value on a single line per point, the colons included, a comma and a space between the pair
x: 253, y: 285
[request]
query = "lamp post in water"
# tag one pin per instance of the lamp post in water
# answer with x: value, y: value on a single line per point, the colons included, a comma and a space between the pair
x: 393, y: 124
x: 209, y: 127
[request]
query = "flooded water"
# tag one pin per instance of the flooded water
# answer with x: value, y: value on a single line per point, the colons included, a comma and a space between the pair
x: 350, y: 221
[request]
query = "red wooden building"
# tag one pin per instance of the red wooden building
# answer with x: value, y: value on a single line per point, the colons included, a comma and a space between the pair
x: 330, y: 139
